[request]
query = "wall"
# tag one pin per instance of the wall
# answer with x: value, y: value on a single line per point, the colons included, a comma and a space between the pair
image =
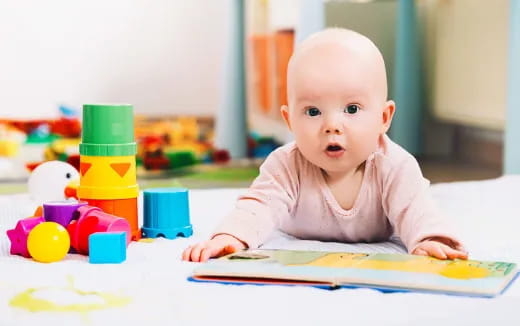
x: 464, y: 46
x: 164, y: 57
x: 470, y: 76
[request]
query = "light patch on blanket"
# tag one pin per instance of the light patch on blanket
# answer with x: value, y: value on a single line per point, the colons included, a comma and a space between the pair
x: 66, y: 299
x: 63, y: 297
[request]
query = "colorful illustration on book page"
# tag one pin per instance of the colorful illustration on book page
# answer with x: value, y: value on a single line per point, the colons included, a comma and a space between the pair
x: 459, y: 269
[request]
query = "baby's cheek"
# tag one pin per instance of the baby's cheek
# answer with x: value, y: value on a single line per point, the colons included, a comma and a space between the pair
x: 366, y: 144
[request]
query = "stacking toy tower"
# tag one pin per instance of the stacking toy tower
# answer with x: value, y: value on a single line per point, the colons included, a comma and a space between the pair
x: 107, y: 162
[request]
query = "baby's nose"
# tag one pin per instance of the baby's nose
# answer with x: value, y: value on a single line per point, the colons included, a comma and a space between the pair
x: 335, y: 131
x: 332, y: 124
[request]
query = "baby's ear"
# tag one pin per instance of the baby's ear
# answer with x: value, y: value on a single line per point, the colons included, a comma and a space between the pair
x: 284, y: 110
x: 388, y: 114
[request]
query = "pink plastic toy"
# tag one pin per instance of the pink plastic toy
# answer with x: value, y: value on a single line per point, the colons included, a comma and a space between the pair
x: 91, y: 220
x: 18, y: 236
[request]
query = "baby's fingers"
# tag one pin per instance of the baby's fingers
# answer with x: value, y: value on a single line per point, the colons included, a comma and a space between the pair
x: 211, y: 250
x: 196, y: 251
x: 186, y: 253
x: 453, y: 253
x: 206, y: 254
x: 434, y: 249
x: 420, y: 252
x: 216, y: 250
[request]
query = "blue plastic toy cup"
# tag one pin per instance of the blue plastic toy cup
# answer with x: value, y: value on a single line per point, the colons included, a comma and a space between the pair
x: 166, y: 213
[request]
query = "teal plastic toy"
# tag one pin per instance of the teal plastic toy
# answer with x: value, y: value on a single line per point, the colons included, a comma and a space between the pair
x: 166, y: 213
x: 107, y: 247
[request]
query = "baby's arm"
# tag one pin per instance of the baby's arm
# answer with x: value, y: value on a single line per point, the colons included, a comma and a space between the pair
x: 268, y: 200
x: 411, y: 210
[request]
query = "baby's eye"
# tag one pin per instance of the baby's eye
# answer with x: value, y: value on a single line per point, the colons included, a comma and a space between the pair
x: 312, y: 111
x: 351, y: 108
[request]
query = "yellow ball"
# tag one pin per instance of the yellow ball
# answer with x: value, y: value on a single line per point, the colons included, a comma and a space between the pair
x: 48, y: 242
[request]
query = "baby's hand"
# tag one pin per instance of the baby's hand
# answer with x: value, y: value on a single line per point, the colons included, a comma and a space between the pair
x: 220, y: 245
x: 437, y: 247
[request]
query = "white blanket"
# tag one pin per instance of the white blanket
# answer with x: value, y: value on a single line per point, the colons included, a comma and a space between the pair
x: 154, y: 279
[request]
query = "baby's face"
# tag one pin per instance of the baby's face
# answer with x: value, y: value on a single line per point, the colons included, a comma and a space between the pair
x: 336, y: 104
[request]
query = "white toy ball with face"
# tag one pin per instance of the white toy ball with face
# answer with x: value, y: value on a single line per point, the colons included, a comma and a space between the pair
x: 48, y: 181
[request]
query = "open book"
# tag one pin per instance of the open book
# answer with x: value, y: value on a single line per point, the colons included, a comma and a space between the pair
x: 386, y: 272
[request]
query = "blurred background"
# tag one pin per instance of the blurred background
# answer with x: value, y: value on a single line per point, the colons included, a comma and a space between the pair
x: 207, y: 78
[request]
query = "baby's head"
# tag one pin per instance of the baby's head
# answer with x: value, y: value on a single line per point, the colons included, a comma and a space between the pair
x: 337, y: 99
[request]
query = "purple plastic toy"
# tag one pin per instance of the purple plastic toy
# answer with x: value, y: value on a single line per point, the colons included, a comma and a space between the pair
x: 61, y: 212
x: 18, y: 235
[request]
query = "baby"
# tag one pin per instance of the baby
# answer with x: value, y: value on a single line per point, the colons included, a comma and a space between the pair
x: 342, y: 179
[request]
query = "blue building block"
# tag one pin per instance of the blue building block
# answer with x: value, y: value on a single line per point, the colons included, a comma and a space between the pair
x: 107, y: 247
x: 166, y: 213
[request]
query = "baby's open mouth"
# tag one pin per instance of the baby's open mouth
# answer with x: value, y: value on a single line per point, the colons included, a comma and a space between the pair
x: 334, y: 148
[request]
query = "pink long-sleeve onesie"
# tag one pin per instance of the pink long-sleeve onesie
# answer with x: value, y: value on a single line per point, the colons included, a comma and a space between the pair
x: 291, y: 194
